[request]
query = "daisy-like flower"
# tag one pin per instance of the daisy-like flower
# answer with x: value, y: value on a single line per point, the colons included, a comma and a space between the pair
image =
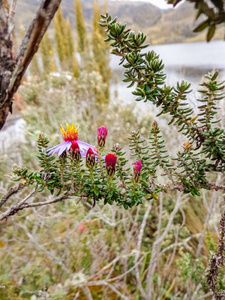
x: 70, y: 135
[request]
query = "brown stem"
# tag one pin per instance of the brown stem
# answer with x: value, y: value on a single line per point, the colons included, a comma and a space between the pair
x: 23, y: 204
x: 11, y: 191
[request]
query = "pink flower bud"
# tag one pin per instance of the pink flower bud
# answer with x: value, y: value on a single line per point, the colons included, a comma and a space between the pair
x: 75, y: 150
x: 110, y: 161
x: 137, y: 170
x: 90, y: 159
x: 82, y: 228
x: 101, y: 136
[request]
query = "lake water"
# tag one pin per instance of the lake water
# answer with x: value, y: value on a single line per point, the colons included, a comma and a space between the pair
x: 187, y: 61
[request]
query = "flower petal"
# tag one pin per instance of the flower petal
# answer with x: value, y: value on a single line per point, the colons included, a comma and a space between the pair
x: 84, y: 147
x: 59, y: 148
x: 68, y: 146
x: 64, y: 147
x: 54, y: 149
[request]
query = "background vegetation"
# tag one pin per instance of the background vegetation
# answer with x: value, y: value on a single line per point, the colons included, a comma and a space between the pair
x: 71, y: 250
x: 161, y: 26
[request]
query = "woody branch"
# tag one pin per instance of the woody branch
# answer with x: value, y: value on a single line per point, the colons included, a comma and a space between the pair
x: 13, y: 68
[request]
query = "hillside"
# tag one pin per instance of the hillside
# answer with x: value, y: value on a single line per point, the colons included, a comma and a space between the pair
x: 161, y: 26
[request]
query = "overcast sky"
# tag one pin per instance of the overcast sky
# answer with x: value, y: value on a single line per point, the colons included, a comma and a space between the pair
x: 159, y: 3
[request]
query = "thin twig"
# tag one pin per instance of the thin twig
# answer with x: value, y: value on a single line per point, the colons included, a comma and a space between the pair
x: 22, y: 204
x: 42, y: 248
x: 60, y: 198
x: 184, y: 243
x: 87, y: 292
x: 103, y: 282
x: 12, y: 191
x: 205, y: 296
x: 215, y: 187
x: 140, y: 238
x: 156, y: 247
x: 14, y: 209
x: 209, y: 213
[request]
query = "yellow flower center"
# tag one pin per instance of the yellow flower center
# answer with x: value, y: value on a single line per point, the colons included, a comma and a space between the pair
x: 71, y: 132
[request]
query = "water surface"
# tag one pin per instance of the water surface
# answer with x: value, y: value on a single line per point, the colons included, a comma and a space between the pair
x: 186, y: 61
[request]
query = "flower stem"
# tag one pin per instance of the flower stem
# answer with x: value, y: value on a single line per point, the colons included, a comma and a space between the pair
x: 62, y: 168
x: 100, y: 161
x: 72, y: 176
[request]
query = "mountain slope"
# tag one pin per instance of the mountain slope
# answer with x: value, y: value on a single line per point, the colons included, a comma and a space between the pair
x: 161, y: 26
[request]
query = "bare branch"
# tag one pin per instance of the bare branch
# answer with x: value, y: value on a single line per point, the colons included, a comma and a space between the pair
x: 215, y: 187
x: 205, y: 296
x: 60, y: 198
x: 157, y: 244
x: 209, y: 213
x: 12, y: 191
x: 41, y: 247
x: 140, y: 238
x: 22, y: 204
x: 103, y: 282
x: 184, y: 243
x: 87, y: 292
x: 14, y: 209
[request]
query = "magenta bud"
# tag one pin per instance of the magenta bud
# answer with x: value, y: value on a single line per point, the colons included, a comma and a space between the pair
x: 110, y: 162
x: 75, y: 151
x: 137, y: 170
x: 90, y: 159
x: 101, y: 136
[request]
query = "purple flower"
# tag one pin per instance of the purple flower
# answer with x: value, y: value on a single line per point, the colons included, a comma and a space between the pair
x: 70, y: 135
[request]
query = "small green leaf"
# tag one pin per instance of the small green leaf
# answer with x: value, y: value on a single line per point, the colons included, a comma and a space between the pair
x: 202, y: 26
x: 211, y: 32
x: 41, y: 188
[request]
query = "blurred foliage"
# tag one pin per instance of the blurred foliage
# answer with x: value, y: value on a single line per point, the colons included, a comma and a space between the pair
x: 101, y: 54
x: 46, y: 55
x: 80, y: 26
x: 213, y: 12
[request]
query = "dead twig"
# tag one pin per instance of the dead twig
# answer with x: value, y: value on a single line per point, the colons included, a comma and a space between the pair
x: 12, y: 191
